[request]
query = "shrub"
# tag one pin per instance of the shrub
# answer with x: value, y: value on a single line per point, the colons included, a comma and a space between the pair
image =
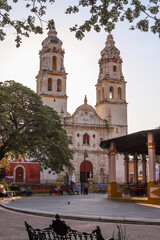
x: 14, y: 187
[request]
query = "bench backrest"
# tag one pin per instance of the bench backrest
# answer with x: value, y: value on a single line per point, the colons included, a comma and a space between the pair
x: 58, y: 230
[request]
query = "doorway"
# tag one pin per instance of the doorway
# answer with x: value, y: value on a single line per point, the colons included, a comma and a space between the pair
x: 19, y: 176
x: 86, y: 171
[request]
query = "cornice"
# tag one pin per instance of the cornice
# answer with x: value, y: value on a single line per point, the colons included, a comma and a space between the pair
x: 110, y: 60
x: 52, y: 96
x: 109, y: 102
x: 111, y: 80
x: 42, y: 72
x: 52, y: 51
x: 84, y: 126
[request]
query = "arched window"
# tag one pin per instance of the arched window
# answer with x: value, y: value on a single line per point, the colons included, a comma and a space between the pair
x: 114, y: 68
x: 86, y: 139
x: 103, y: 93
x: 49, y: 84
x: 119, y: 93
x: 111, y: 92
x: 99, y: 95
x: 59, y: 85
x: 54, y: 63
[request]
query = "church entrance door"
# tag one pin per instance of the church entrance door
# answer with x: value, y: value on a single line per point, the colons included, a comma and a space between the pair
x: 86, y: 171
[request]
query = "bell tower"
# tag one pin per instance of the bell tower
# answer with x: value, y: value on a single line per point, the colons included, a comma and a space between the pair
x: 51, y: 79
x: 111, y: 102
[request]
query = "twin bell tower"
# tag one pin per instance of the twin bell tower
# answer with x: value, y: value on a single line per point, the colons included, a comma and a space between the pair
x: 111, y: 102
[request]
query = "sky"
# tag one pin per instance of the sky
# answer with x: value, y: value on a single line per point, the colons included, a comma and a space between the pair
x: 140, y: 53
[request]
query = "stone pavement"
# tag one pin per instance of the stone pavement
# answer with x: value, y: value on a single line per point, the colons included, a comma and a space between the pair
x: 88, y: 207
x: 12, y: 227
x: 93, y: 205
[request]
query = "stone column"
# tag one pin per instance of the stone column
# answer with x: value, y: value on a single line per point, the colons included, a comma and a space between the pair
x: 135, y: 162
x: 144, y: 175
x: 112, y: 185
x: 113, y: 163
x: 126, y: 168
x: 109, y: 166
x: 151, y: 155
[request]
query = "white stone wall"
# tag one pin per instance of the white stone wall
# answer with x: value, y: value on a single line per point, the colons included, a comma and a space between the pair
x: 118, y: 112
x: 99, y: 160
x: 57, y: 104
x: 48, y: 178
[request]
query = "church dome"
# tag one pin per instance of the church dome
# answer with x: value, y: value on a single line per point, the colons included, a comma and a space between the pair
x: 52, y: 38
x: 85, y: 107
x: 110, y: 51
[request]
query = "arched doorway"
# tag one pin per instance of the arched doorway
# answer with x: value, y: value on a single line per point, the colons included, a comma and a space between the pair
x: 19, y: 176
x: 87, y: 169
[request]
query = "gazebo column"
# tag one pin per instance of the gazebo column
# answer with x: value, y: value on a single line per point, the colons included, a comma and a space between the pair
x: 109, y: 166
x: 153, y: 190
x: 144, y: 175
x: 112, y: 185
x: 126, y: 168
x: 113, y: 163
x: 151, y: 156
x: 135, y: 162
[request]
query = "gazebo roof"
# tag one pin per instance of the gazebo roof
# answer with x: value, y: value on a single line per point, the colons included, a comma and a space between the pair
x: 134, y: 143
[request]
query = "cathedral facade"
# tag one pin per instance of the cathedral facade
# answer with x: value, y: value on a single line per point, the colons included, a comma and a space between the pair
x: 87, y: 126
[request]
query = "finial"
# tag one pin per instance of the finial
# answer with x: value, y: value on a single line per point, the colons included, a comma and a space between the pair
x: 85, y: 99
x: 110, y: 40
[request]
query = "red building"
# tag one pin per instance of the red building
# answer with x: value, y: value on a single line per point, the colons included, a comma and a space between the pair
x: 23, y: 171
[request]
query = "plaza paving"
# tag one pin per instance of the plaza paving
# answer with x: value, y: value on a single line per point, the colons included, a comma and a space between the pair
x: 92, y: 206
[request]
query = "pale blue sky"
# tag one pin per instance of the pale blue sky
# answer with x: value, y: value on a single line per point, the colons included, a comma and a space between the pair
x: 140, y: 53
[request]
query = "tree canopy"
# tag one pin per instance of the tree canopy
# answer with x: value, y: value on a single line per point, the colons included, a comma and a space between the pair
x: 29, y: 128
x: 142, y: 15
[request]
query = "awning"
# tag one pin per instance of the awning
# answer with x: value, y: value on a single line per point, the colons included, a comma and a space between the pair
x: 134, y: 143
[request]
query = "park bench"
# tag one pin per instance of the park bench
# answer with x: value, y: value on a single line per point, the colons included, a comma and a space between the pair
x: 58, y: 230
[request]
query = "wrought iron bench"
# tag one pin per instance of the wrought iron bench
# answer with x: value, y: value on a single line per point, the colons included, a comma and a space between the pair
x: 58, y: 230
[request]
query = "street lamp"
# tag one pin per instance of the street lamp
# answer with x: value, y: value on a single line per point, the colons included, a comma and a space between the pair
x: 84, y: 177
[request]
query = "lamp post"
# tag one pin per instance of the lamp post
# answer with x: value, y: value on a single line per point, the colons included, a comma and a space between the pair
x: 84, y: 177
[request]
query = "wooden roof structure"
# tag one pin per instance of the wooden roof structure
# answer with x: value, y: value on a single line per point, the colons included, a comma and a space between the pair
x: 134, y: 143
